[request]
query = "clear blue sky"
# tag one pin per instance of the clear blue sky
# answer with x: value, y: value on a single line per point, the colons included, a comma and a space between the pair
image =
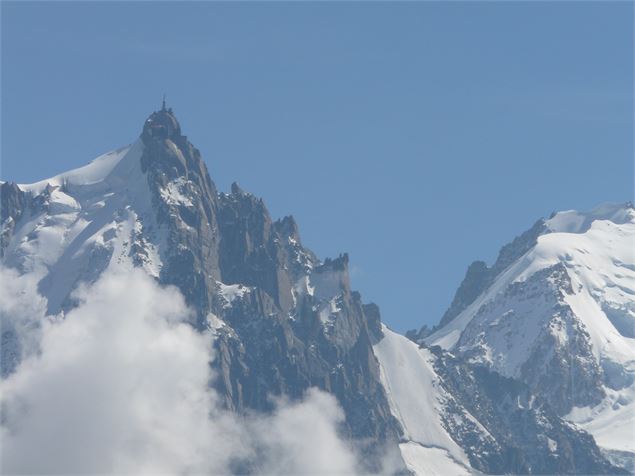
x: 416, y: 136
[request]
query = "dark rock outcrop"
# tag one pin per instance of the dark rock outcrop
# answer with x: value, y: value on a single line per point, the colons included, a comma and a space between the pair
x: 519, y: 433
x: 295, y: 323
x: 185, y: 201
x: 13, y: 203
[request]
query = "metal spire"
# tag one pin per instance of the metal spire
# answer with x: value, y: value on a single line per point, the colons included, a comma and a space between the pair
x: 163, y: 106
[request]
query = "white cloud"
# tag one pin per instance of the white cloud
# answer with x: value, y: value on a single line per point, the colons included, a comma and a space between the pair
x: 301, y: 438
x: 121, y: 385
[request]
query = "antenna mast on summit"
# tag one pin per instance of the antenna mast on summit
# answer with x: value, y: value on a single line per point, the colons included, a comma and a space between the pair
x: 163, y: 106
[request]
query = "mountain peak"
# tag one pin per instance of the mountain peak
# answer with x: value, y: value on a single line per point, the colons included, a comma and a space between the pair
x: 161, y: 125
x: 574, y: 221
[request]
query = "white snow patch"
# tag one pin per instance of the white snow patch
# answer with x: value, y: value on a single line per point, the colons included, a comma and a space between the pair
x: 426, y: 461
x: 174, y: 193
x: 215, y: 323
x: 62, y: 203
x: 302, y: 287
x: 231, y: 292
x: 415, y: 397
x: 96, y: 171
x: 612, y: 421
x: 572, y: 221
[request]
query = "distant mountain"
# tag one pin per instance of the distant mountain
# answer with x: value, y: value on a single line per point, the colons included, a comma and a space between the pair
x: 283, y: 321
x: 557, y: 312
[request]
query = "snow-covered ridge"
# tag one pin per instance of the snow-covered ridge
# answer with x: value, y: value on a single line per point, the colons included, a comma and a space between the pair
x: 82, y: 221
x: 416, y: 400
x: 572, y: 221
x: 94, y: 172
x: 575, y: 287
x: 602, y: 240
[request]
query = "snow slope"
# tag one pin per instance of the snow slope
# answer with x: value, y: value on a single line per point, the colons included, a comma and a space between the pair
x: 417, y: 400
x: 98, y: 170
x: 597, y: 248
x: 82, y: 221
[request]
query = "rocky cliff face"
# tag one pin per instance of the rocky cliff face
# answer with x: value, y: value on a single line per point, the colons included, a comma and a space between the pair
x: 13, y: 202
x: 290, y: 322
x: 523, y: 434
x: 186, y: 204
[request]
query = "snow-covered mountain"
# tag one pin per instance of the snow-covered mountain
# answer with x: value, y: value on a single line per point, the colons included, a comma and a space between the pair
x: 282, y: 322
x: 459, y: 417
x: 557, y: 312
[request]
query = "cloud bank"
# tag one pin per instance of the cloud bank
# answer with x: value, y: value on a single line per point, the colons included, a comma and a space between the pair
x: 121, y: 384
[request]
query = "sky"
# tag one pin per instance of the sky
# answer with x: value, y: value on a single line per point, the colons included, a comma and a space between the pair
x: 416, y: 136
